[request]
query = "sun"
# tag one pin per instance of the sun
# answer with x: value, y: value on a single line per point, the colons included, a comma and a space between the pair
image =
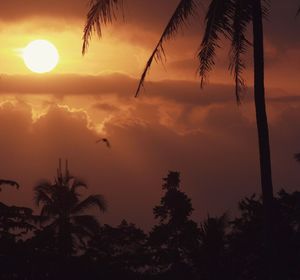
x: 40, y: 56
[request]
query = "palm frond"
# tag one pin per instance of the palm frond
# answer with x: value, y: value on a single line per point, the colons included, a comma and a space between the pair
x: 213, y: 227
x: 184, y: 10
x: 76, y: 184
x: 48, y: 212
x: 42, y: 198
x: 83, y: 229
x: 297, y: 157
x: 86, y: 222
x: 266, y: 5
x: 100, y: 12
x: 20, y: 212
x: 91, y: 201
x: 218, y: 22
x: 45, y: 186
x: 42, y: 193
x: 19, y: 225
x: 9, y: 183
x: 240, y: 19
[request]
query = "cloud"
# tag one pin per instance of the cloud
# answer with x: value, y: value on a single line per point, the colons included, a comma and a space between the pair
x: 123, y: 86
x: 213, y: 144
x: 106, y: 107
x: 68, y: 84
x: 16, y: 10
x: 172, y: 126
x: 128, y: 43
x: 281, y: 29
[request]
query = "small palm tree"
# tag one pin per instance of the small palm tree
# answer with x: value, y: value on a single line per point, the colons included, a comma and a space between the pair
x: 63, y: 212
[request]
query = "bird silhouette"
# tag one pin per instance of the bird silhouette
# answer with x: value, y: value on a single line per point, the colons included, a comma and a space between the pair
x: 104, y: 140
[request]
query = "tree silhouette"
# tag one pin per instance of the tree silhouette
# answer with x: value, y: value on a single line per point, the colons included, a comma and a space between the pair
x: 212, y: 262
x: 63, y: 213
x: 123, y: 247
x: 230, y: 18
x: 245, y: 240
x: 16, y: 223
x: 174, y: 242
x: 246, y: 246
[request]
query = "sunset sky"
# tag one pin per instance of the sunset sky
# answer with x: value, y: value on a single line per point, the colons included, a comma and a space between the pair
x: 173, y: 125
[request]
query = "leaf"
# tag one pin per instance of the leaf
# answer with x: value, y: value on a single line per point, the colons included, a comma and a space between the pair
x: 101, y: 12
x: 41, y: 197
x: 184, y: 10
x: 9, y: 182
x: 87, y: 222
x: 241, y: 17
x: 91, y: 201
x: 218, y: 22
x: 76, y: 184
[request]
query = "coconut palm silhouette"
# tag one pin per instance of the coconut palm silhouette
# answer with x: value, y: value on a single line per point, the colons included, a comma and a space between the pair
x: 63, y: 212
x: 230, y: 18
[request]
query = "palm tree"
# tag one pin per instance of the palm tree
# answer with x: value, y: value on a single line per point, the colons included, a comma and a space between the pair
x: 64, y: 213
x: 230, y: 18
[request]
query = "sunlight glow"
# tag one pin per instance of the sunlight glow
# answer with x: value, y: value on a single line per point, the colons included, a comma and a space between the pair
x: 40, y: 56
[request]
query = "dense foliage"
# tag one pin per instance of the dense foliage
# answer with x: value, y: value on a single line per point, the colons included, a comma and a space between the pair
x: 56, y: 244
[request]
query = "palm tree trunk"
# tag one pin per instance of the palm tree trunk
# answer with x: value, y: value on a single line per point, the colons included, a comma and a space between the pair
x: 263, y: 134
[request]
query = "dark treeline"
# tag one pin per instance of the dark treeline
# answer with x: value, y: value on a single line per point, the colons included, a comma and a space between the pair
x: 66, y: 242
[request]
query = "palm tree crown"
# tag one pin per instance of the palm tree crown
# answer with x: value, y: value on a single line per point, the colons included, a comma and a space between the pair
x: 64, y: 213
x: 224, y: 17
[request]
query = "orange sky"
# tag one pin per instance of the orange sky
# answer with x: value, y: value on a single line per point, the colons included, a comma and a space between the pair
x: 173, y: 125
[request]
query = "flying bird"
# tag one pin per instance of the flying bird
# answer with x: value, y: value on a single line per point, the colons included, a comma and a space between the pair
x: 104, y: 140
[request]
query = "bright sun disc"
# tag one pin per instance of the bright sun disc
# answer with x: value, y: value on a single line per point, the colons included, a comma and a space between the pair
x: 40, y: 56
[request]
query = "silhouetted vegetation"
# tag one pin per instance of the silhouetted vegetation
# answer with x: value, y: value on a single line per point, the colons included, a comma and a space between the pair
x: 63, y: 213
x: 225, y: 19
x: 62, y: 242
